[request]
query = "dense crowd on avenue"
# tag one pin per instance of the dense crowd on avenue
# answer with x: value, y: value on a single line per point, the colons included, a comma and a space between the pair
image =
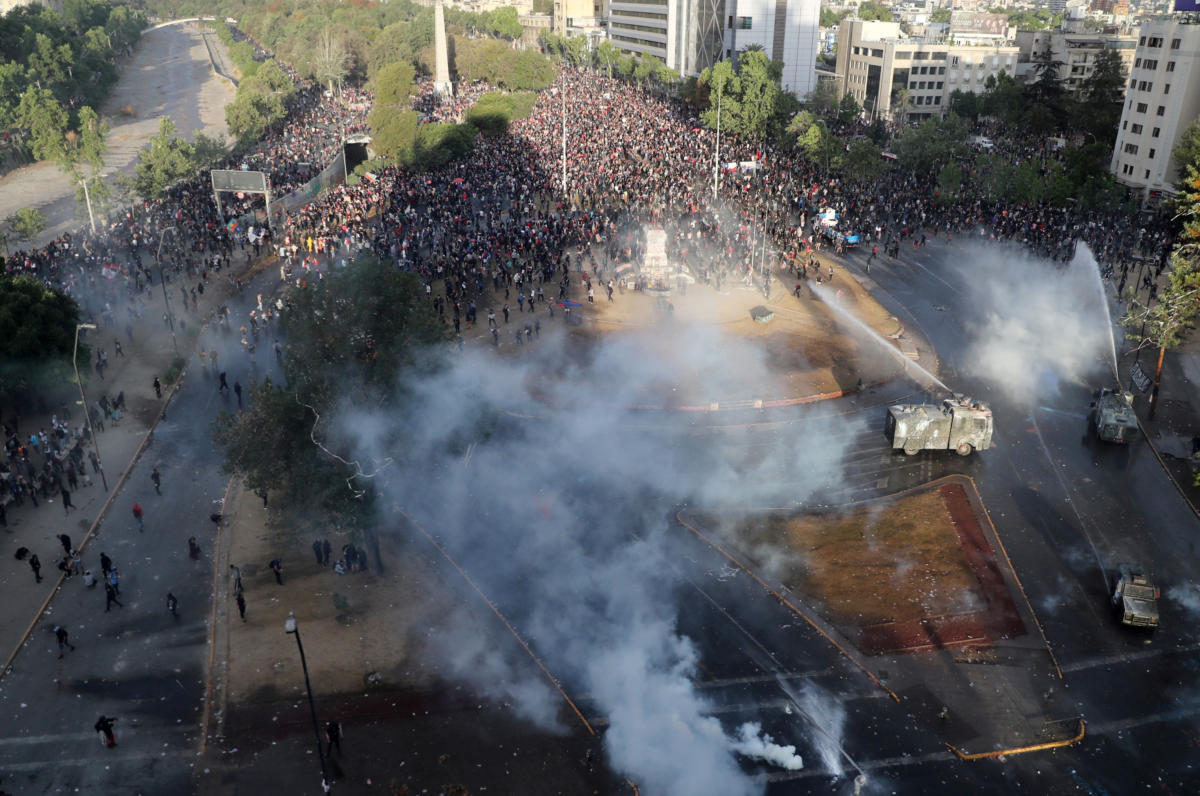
x: 496, y: 231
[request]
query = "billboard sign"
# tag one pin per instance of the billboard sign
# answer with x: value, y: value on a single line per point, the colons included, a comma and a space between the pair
x: 1187, y: 5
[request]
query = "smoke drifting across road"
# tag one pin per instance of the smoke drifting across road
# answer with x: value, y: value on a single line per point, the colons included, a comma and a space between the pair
x: 1037, y: 324
x: 559, y: 506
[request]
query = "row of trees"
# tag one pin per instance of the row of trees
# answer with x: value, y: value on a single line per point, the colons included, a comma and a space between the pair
x: 68, y: 57
x: 1045, y: 106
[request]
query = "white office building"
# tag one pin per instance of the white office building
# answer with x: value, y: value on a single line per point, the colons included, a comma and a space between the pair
x: 1162, y: 98
x: 786, y: 30
x: 692, y: 35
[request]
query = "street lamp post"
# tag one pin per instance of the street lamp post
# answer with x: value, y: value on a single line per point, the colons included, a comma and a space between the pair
x: 87, y: 198
x: 291, y: 627
x: 162, y: 237
x: 83, y: 400
x: 717, y: 149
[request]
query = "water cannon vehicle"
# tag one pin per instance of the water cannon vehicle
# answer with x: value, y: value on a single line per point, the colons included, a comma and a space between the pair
x: 1112, y: 415
x: 959, y: 423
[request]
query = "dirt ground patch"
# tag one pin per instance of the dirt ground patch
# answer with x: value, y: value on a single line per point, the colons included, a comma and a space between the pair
x: 903, y: 573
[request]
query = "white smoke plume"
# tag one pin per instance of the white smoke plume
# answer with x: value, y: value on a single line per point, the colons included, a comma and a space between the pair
x: 754, y: 743
x: 1038, y: 324
x: 1186, y: 595
x: 558, y: 501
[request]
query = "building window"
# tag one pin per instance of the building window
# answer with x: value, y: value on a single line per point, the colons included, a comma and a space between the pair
x: 1151, y: 63
x: 1142, y: 107
x: 1155, y: 41
x: 1132, y: 82
x: 1170, y: 66
x: 1124, y: 125
x: 1137, y: 64
x: 1175, y: 44
x: 1162, y: 110
x: 1131, y: 149
x: 1155, y: 132
x: 1166, y: 89
x: 1136, y: 129
x: 1147, y: 174
x: 745, y: 23
x: 1152, y: 154
x: 937, y: 100
x: 730, y: 25
x: 939, y: 85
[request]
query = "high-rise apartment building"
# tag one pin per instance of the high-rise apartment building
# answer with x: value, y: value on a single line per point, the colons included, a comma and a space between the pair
x: 1161, y: 100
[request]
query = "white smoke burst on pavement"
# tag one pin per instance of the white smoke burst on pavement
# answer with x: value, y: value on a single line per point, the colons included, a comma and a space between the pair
x: 754, y: 743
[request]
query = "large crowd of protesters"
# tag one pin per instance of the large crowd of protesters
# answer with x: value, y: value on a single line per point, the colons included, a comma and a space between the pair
x: 513, y: 218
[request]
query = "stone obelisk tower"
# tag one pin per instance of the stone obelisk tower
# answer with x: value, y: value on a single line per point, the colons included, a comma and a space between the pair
x: 441, y: 62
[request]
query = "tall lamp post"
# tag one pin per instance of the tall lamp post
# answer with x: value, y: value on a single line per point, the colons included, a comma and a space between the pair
x: 162, y: 238
x: 83, y: 400
x: 291, y: 627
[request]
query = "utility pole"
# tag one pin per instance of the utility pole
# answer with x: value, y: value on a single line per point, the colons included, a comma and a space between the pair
x: 87, y: 197
x: 564, y: 142
x: 717, y: 149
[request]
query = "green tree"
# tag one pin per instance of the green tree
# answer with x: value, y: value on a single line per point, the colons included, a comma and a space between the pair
x: 1103, y: 94
x: 874, y: 10
x: 759, y: 84
x: 823, y: 99
x: 393, y: 133
x: 646, y: 67
x: 829, y: 17
x: 608, y: 55
x: 1048, y: 93
x: 724, y: 87
x: 849, y: 110
x: 503, y: 22
x: 169, y: 159
x: 26, y: 224
x: 393, y: 85
x: 46, y: 121
x: 949, y: 179
x: 329, y: 59
x: 1187, y: 153
x: 389, y: 46
x: 1164, y: 324
x: 37, y: 337
x: 576, y: 50
x: 543, y: 6
x: 926, y: 148
x: 863, y: 162
x: 965, y: 103
x: 941, y: 15
x: 350, y: 336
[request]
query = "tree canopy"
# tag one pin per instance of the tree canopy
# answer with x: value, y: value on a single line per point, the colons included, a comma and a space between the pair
x: 37, y: 335
x: 351, y: 336
x: 169, y: 159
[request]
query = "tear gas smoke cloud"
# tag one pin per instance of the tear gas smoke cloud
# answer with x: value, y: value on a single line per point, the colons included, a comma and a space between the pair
x: 562, y: 513
x: 1186, y: 595
x: 1037, y: 322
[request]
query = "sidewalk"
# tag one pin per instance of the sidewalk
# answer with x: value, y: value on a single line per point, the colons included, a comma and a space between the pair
x: 1177, y: 418
x: 147, y: 354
